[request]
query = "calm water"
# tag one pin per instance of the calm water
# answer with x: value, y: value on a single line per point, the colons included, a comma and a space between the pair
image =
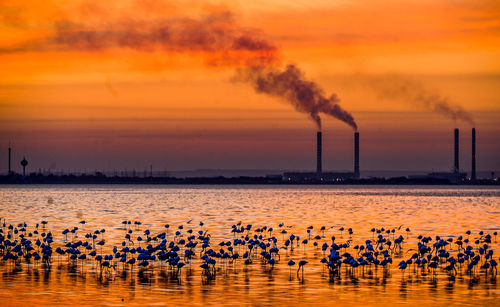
x: 443, y: 211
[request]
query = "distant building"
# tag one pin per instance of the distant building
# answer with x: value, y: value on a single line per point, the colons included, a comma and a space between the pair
x: 452, y: 177
x: 273, y: 178
x: 305, y: 177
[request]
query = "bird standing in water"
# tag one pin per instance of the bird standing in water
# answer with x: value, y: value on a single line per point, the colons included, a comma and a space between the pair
x: 302, y: 263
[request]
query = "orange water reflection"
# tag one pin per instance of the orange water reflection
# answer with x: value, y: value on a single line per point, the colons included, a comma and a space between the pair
x: 444, y: 211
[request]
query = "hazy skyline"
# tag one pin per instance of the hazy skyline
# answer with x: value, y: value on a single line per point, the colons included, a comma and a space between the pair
x: 114, y: 106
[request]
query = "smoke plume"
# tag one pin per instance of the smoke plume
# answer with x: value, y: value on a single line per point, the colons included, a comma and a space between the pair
x: 217, y: 38
x: 306, y: 96
x: 415, y: 93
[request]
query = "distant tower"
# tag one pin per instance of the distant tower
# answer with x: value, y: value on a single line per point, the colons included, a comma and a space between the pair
x: 319, y: 150
x: 473, y: 167
x: 10, y: 170
x: 356, y: 154
x: 456, y: 168
x: 24, y: 162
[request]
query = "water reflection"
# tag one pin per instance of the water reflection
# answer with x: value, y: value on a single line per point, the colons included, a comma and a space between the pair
x: 445, y: 212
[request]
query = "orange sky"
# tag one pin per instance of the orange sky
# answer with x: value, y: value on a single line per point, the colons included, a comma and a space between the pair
x: 118, y: 107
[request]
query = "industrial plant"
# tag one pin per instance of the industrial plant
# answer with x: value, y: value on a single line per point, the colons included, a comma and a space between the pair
x: 319, y: 175
x: 455, y: 176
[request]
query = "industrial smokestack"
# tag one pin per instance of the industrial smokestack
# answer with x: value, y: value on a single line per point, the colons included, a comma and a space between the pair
x: 9, y: 161
x: 356, y: 154
x: 473, y: 168
x: 456, y: 168
x: 318, y: 152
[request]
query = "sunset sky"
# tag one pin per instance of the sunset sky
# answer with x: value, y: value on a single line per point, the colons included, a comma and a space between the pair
x: 113, y: 85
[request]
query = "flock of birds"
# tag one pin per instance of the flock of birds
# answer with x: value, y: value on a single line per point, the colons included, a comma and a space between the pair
x: 341, y: 255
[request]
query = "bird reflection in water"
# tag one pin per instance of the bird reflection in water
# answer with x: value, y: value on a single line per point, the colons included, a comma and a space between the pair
x: 146, y: 257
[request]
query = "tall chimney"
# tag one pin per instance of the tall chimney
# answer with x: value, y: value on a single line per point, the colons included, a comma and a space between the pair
x: 473, y: 169
x: 456, y: 168
x: 356, y: 154
x: 10, y: 149
x: 318, y: 152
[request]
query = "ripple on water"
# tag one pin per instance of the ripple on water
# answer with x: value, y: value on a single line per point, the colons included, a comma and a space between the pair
x: 426, y: 210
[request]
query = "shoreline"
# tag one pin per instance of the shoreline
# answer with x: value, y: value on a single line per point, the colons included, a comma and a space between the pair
x: 274, y: 181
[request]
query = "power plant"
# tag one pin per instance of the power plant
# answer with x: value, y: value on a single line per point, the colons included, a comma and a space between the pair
x: 455, y: 176
x: 319, y: 175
